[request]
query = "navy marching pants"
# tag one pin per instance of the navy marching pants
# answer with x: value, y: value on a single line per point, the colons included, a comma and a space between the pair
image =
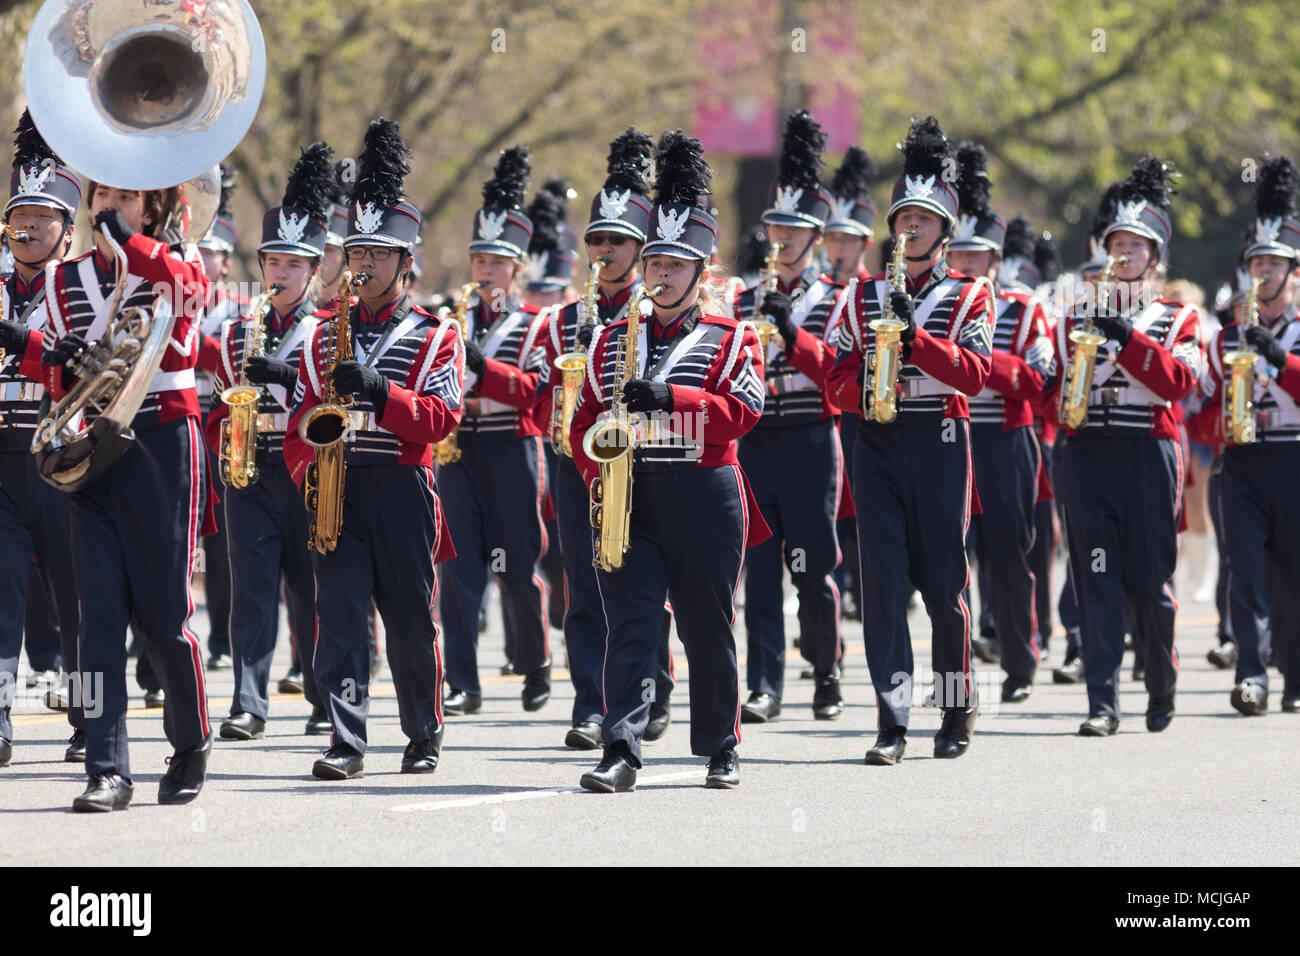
x: 1067, y: 607
x: 35, y: 560
x: 216, y: 570
x: 1261, y: 521
x: 1122, y: 499
x: 794, y: 473
x: 134, y: 534
x: 846, y: 529
x: 41, y: 627
x: 1041, y: 556
x: 493, y: 500
x: 386, y: 550
x: 687, y: 541
x: 1006, y: 474
x: 267, y: 525
x: 912, y: 489
x: 1222, y: 582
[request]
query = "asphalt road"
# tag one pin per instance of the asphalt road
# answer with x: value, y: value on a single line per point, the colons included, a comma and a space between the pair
x: 1214, y: 789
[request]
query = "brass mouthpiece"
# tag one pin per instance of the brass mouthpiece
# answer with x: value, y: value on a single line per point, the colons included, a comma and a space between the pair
x: 18, y: 237
x: 275, y: 289
x: 656, y: 290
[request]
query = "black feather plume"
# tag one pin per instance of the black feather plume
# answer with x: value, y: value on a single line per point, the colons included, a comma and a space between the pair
x: 973, y: 185
x: 1020, y: 240
x: 753, y: 251
x: 311, y: 183
x: 342, y: 185
x: 855, y: 175
x: 382, y: 167
x: 631, y: 157
x: 681, y: 173
x: 546, y: 214
x: 1106, y: 209
x: 505, y: 190
x: 1276, y: 192
x: 801, y: 152
x: 1047, y: 256
x: 925, y: 149
x: 559, y: 187
x: 1151, y: 180
x: 30, y: 147
x: 227, y: 191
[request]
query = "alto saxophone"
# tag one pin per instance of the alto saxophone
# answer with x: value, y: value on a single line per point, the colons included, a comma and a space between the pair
x: 325, y: 428
x: 766, y: 328
x: 447, y: 450
x: 1239, y: 395
x: 880, y: 384
x: 1072, y: 402
x: 611, y: 443
x: 238, y: 453
x: 572, y: 366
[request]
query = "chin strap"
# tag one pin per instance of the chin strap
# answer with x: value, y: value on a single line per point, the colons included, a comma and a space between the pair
x: 943, y: 237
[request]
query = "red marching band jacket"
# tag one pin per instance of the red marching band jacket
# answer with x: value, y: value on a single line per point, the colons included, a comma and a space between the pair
x: 723, y: 412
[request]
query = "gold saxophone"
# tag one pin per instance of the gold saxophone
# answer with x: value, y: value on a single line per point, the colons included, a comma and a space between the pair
x: 880, y: 384
x: 326, y: 426
x: 238, y: 453
x: 765, y: 328
x: 611, y: 443
x: 1239, y: 395
x: 572, y: 366
x: 1072, y: 402
x: 448, y: 449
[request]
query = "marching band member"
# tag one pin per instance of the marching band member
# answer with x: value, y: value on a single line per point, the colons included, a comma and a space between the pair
x: 222, y: 303
x: 405, y: 384
x: 620, y: 214
x: 1040, y: 273
x: 43, y: 199
x: 849, y: 234
x: 266, y: 521
x: 135, y: 528
x: 1004, y: 448
x: 912, y: 481
x: 1259, y: 513
x: 495, y: 492
x: 792, y: 457
x: 692, y: 514
x: 1122, y: 468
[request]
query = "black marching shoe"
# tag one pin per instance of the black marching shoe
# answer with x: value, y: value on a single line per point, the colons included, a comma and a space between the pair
x: 985, y: 646
x: 104, y: 793
x: 583, y: 736
x: 1015, y: 690
x: 537, y: 688
x: 6, y: 751
x: 1249, y: 698
x: 953, y: 738
x: 153, y: 699
x: 76, y: 752
x: 660, y: 718
x: 759, y: 709
x: 318, y: 724
x: 1139, y: 673
x: 56, y: 698
x: 338, y: 763
x: 422, y: 756
x: 291, y: 683
x: 614, y: 774
x: 827, y: 703
x: 461, y: 702
x: 1070, y: 671
x: 186, y: 770
x: 1099, y: 725
x: 1160, y: 714
x: 508, y: 668
x: 724, y: 771
x: 1291, y: 702
x: 1224, y: 657
x: 888, y: 748
x: 242, y: 726
x: 220, y: 662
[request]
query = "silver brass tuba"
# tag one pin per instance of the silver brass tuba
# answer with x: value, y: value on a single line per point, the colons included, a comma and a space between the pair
x: 140, y: 97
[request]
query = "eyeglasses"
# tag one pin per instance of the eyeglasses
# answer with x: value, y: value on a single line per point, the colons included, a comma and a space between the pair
x: 376, y: 253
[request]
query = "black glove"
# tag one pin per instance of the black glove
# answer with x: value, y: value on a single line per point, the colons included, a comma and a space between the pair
x: 13, y: 338
x: 1263, y: 342
x: 69, y: 347
x: 905, y: 311
x: 474, y: 358
x: 585, y: 333
x: 777, y: 307
x: 643, y: 395
x: 263, y: 370
x: 116, y: 225
x: 353, y: 378
x: 1114, y: 327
